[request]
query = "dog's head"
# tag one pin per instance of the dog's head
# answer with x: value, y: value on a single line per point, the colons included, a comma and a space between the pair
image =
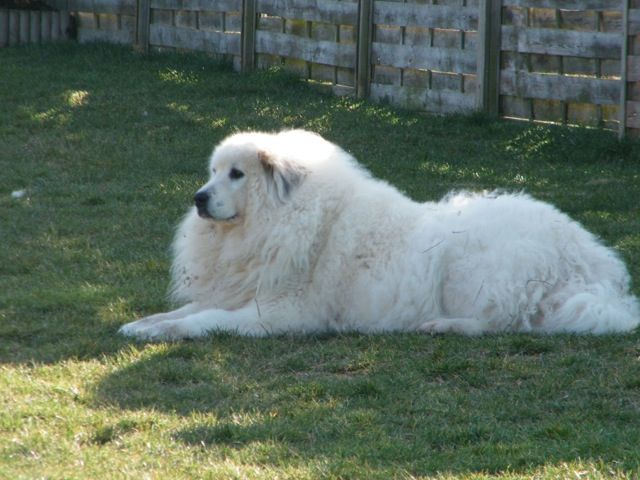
x: 246, y: 169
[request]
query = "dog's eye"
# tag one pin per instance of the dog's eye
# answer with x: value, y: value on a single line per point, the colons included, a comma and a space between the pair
x: 235, y: 174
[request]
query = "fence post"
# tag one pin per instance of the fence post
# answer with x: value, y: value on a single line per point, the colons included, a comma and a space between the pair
x: 143, y: 21
x: 488, y: 69
x: 363, y: 55
x: 622, y: 127
x: 248, y: 41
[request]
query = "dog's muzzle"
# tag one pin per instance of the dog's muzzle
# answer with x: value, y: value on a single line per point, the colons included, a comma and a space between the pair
x: 201, y: 199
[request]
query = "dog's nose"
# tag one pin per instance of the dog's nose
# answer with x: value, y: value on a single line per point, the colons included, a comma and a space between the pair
x: 201, y: 199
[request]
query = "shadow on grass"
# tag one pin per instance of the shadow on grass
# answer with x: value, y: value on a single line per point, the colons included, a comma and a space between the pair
x: 408, y: 402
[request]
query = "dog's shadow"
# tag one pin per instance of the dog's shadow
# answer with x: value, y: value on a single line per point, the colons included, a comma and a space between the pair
x: 404, y: 400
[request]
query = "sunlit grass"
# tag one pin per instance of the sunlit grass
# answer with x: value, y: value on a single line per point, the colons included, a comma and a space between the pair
x: 109, y: 147
x: 77, y: 98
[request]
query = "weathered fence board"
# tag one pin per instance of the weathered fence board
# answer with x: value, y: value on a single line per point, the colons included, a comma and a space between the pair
x: 557, y: 87
x: 191, y: 39
x: 143, y: 26
x: 88, y: 34
x: 248, y: 36
x: 219, y: 6
x: 624, y: 72
x: 630, y: 88
x: 634, y: 22
x: 416, y: 56
x: 633, y: 68
x: 23, y: 27
x: 46, y: 25
x: 444, y: 101
x: 34, y: 27
x: 424, y: 15
x: 576, y: 5
x: 633, y: 114
x: 114, y: 7
x: 488, y: 57
x: 311, y: 10
x: 4, y: 27
x: 548, y: 41
x: 363, y: 48
x: 315, y: 51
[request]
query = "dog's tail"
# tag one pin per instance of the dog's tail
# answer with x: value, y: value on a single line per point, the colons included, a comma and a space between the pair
x: 596, y: 309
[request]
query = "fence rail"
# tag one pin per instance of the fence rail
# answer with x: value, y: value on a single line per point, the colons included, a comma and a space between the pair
x: 564, y: 61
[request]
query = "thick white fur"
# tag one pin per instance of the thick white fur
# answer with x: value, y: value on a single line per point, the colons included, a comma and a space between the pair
x: 307, y: 241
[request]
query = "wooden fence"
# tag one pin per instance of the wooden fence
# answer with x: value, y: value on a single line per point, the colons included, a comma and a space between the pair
x: 562, y: 61
x: 19, y: 27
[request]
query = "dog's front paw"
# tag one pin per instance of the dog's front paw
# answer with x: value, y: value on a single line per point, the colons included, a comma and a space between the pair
x: 160, y: 330
x: 142, y: 328
x: 138, y: 329
x: 145, y: 330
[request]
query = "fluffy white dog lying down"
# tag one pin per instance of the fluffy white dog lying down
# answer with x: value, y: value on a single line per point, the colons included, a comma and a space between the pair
x: 291, y: 235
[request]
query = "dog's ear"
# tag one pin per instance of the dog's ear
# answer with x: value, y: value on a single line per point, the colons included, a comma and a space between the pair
x: 282, y: 176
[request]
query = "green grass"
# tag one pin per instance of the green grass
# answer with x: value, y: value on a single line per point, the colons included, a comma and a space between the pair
x: 110, y: 147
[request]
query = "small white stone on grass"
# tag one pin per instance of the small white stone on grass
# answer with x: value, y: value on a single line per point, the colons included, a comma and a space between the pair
x: 18, y: 194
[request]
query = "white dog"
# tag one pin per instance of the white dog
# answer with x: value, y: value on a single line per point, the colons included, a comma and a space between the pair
x: 291, y: 235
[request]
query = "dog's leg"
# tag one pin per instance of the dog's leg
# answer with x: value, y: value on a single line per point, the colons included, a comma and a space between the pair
x: 247, y: 320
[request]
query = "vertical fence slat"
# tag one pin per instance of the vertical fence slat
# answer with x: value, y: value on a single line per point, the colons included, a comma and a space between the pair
x: 622, y: 129
x: 23, y: 33
x: 4, y: 28
x: 248, y: 35
x: 45, y: 26
x: 64, y: 23
x: 363, y: 55
x: 14, y: 25
x: 55, y: 25
x: 488, y: 81
x: 34, y: 30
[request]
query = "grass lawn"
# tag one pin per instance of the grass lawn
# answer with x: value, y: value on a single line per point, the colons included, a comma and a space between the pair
x: 110, y: 147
